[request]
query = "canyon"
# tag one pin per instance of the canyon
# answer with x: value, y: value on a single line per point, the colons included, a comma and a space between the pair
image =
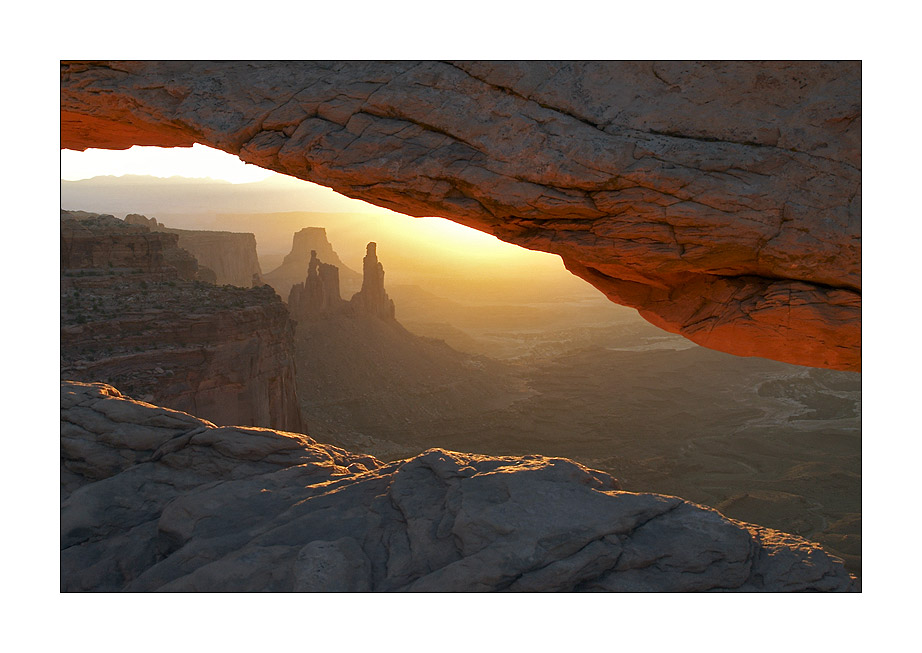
x: 720, y: 199
x: 365, y: 383
x: 762, y: 441
x: 231, y: 256
x: 130, y: 318
x: 362, y: 373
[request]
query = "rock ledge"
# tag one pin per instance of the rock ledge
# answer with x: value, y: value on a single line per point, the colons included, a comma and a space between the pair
x: 156, y: 499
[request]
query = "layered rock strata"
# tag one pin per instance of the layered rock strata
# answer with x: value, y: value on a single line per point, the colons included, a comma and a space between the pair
x: 304, y: 244
x: 99, y: 241
x: 721, y: 199
x: 225, y: 354
x: 232, y: 256
x: 127, y: 317
x: 154, y: 499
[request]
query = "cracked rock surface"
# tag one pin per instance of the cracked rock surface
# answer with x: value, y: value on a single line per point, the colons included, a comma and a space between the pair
x: 720, y: 199
x: 155, y: 499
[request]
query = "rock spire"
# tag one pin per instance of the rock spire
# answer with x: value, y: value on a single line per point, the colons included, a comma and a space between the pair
x: 372, y: 299
x: 291, y: 271
x: 319, y: 294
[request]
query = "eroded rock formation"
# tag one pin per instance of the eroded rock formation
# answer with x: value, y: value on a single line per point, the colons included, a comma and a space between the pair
x: 303, y: 245
x: 127, y: 317
x: 721, y: 199
x: 372, y: 299
x: 154, y: 499
x: 319, y: 294
x: 232, y: 256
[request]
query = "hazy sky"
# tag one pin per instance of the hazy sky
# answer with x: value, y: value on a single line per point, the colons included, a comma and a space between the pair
x: 195, y: 161
x: 199, y: 161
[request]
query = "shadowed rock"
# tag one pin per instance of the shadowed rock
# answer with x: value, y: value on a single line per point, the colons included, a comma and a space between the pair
x: 134, y: 311
x: 154, y: 499
x: 319, y: 296
x: 96, y: 241
x: 720, y: 199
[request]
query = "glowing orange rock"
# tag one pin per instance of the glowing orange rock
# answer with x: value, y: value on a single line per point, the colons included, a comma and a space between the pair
x: 722, y: 200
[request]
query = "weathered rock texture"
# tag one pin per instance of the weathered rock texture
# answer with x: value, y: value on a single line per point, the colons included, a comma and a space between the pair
x: 296, y: 262
x: 232, y: 256
x: 154, y: 499
x: 224, y: 353
x: 721, y: 199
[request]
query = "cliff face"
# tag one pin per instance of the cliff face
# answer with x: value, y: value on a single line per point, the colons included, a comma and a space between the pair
x: 224, y: 353
x: 231, y: 256
x: 92, y: 240
x: 154, y: 499
x: 227, y: 356
x: 721, y: 199
x: 293, y: 268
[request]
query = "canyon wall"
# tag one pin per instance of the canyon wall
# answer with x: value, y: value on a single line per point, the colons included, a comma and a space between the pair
x: 224, y: 353
x: 93, y: 240
x: 154, y: 499
x: 231, y: 256
x: 721, y: 199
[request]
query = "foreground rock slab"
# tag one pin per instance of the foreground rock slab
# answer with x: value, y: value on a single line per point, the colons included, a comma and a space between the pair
x: 720, y: 199
x: 158, y: 500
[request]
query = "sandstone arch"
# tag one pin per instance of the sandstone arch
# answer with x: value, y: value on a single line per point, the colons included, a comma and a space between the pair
x: 722, y: 200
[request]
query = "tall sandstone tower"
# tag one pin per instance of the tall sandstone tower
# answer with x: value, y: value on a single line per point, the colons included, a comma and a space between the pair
x: 319, y: 294
x: 372, y: 298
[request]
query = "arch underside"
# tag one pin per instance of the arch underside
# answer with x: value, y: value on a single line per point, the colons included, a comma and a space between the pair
x: 722, y: 200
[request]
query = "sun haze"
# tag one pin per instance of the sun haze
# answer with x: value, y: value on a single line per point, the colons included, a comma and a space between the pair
x: 419, y: 244
x: 195, y: 162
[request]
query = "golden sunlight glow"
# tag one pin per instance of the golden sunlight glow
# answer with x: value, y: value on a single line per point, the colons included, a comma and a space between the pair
x: 195, y: 162
x: 436, y: 238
